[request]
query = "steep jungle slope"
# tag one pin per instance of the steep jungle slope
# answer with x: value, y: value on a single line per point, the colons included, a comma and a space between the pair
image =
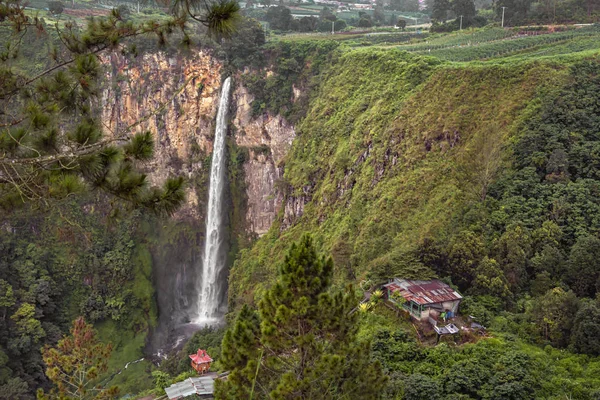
x: 395, y: 166
x: 58, y: 264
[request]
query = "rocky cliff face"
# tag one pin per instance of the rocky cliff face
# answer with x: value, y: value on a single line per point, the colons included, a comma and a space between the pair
x: 268, y: 139
x: 176, y: 97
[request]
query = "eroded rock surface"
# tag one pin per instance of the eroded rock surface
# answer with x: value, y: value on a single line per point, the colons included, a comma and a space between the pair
x: 268, y: 139
x: 176, y: 98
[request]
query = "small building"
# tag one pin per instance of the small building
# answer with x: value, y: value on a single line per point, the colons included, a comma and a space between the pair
x: 449, y: 329
x: 423, y: 299
x: 202, y: 387
x: 201, y: 361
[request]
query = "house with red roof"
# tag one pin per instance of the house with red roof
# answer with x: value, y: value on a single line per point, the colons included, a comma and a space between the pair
x: 423, y: 299
x: 201, y: 361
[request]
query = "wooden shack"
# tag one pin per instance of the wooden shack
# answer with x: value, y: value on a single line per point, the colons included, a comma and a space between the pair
x: 201, y: 361
x: 423, y: 299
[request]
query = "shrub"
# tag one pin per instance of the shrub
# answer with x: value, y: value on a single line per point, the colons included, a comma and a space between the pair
x: 56, y: 7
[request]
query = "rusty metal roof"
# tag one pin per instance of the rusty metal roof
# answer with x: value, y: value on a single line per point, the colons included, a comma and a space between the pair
x: 423, y: 292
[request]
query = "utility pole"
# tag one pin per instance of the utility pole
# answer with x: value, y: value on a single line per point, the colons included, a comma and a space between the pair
x: 503, y: 16
x: 332, y: 27
x: 461, y: 22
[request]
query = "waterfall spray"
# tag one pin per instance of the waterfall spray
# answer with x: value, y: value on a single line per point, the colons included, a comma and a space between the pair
x: 210, y: 288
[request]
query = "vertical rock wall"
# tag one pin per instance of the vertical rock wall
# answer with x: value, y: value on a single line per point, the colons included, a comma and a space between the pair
x: 175, y: 97
x: 268, y: 139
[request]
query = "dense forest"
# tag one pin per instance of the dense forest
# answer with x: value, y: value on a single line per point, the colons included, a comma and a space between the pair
x: 469, y: 157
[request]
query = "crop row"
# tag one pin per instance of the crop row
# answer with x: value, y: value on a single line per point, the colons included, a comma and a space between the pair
x: 504, y: 47
x: 461, y: 39
x: 388, y: 38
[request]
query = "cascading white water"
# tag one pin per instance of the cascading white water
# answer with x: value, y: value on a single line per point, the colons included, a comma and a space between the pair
x: 210, y: 289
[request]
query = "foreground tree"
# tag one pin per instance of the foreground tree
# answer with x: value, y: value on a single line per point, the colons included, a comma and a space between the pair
x: 306, y: 347
x: 52, y: 142
x: 240, y: 353
x: 220, y: 17
x: 76, y: 363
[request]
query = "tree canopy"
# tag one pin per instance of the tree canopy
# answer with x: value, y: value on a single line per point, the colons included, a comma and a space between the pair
x: 302, y: 343
x: 76, y: 363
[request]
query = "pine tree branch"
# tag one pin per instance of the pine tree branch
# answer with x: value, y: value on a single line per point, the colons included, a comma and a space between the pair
x: 44, y: 160
x: 91, y: 148
x: 142, y: 31
x: 16, y: 122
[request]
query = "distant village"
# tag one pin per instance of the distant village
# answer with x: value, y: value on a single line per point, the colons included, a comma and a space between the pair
x: 366, y: 5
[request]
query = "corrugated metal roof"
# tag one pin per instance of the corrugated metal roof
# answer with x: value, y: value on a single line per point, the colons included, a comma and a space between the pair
x: 202, y: 385
x: 423, y: 292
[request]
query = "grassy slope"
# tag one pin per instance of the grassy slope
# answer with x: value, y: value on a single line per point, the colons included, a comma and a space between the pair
x: 387, y: 153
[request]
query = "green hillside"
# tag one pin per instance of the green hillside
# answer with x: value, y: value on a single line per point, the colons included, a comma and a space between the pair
x: 483, y: 173
x: 472, y: 157
x: 388, y: 152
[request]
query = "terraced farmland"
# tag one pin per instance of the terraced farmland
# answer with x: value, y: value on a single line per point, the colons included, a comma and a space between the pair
x: 499, y: 43
x: 460, y: 39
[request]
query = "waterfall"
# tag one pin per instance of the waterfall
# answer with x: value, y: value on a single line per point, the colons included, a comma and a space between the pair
x: 210, y: 292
